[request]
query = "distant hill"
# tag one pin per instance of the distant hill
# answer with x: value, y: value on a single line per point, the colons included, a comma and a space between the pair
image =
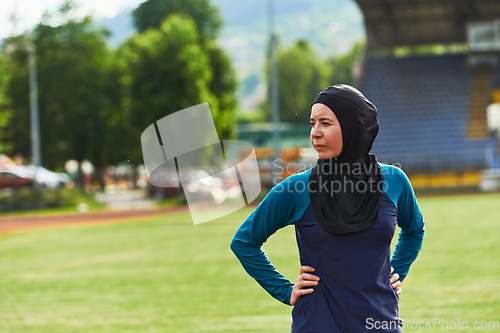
x: 310, y: 19
x: 331, y: 26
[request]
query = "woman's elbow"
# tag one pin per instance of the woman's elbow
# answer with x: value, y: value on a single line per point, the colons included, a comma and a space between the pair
x: 233, y: 246
x: 236, y: 246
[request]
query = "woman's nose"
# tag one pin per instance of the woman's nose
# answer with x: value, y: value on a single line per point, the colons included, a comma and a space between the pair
x: 315, y: 133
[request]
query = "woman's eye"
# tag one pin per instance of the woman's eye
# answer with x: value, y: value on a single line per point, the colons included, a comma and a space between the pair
x: 312, y: 124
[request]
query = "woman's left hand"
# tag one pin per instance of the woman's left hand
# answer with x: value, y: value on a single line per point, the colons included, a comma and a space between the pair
x: 395, y: 282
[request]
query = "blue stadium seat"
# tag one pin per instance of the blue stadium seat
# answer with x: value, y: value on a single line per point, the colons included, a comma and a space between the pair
x: 423, y: 104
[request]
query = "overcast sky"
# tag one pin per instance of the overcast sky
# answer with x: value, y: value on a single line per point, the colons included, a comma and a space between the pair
x: 31, y: 11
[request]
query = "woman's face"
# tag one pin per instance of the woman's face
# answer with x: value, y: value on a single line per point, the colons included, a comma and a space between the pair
x: 326, y: 134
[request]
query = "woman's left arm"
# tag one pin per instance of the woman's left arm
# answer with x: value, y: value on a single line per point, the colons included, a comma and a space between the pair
x: 411, y: 222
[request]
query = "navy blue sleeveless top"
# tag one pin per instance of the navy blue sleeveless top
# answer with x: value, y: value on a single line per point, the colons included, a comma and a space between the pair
x: 354, y: 290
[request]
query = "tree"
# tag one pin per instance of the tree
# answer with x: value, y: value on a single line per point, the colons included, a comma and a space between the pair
x: 151, y: 13
x: 223, y: 85
x: 17, y: 135
x: 78, y: 93
x: 301, y: 75
x: 167, y: 71
x: 5, y: 111
x: 341, y: 66
x: 207, y: 22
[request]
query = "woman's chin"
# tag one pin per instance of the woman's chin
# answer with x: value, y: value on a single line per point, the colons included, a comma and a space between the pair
x: 326, y: 156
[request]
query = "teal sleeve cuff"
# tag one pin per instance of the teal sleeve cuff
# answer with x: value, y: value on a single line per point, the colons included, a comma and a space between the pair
x: 257, y: 265
x: 289, y: 295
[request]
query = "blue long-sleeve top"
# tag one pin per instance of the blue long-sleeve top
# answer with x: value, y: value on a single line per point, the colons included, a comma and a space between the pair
x: 354, y: 268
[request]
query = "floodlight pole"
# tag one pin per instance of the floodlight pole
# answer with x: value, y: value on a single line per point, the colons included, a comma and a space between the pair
x: 35, y: 125
x: 275, y: 107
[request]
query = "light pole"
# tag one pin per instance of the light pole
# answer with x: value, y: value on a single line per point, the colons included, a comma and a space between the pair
x: 35, y: 125
x: 275, y: 107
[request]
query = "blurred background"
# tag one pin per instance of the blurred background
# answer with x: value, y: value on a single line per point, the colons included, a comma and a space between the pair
x: 81, y: 80
x: 101, y: 72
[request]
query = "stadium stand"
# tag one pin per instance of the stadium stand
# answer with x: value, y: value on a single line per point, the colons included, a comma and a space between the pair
x: 424, y: 104
x: 432, y: 108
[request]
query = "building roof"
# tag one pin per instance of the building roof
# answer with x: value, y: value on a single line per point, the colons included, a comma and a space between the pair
x: 391, y: 23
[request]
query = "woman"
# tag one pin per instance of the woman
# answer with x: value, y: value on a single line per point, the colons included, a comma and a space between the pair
x: 345, y: 210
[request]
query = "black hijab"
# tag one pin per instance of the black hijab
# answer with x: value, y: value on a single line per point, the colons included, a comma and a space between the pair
x: 345, y: 191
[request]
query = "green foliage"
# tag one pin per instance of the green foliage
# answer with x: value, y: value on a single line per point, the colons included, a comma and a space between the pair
x: 5, y: 111
x: 167, y: 72
x: 70, y: 198
x: 17, y: 135
x: 221, y: 78
x: 223, y: 85
x: 301, y: 75
x: 94, y: 102
x: 255, y: 116
x: 341, y: 66
x: 151, y: 13
x: 25, y: 200
x: 420, y: 50
x: 77, y: 89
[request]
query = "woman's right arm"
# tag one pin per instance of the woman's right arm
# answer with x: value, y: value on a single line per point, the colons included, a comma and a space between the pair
x: 279, y: 208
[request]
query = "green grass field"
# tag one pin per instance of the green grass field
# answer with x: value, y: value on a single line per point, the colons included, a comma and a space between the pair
x: 164, y: 274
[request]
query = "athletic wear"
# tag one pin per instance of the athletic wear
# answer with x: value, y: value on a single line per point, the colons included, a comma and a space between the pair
x: 354, y: 268
x: 346, y: 200
x: 344, y: 190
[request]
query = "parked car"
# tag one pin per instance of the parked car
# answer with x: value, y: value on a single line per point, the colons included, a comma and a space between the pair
x: 19, y: 176
x: 170, y: 185
x: 15, y: 176
x: 49, y: 179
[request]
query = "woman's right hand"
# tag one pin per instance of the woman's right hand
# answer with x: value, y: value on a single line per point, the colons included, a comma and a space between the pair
x: 304, y: 280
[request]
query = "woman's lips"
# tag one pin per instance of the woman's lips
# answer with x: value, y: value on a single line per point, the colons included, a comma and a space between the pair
x: 319, y: 146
